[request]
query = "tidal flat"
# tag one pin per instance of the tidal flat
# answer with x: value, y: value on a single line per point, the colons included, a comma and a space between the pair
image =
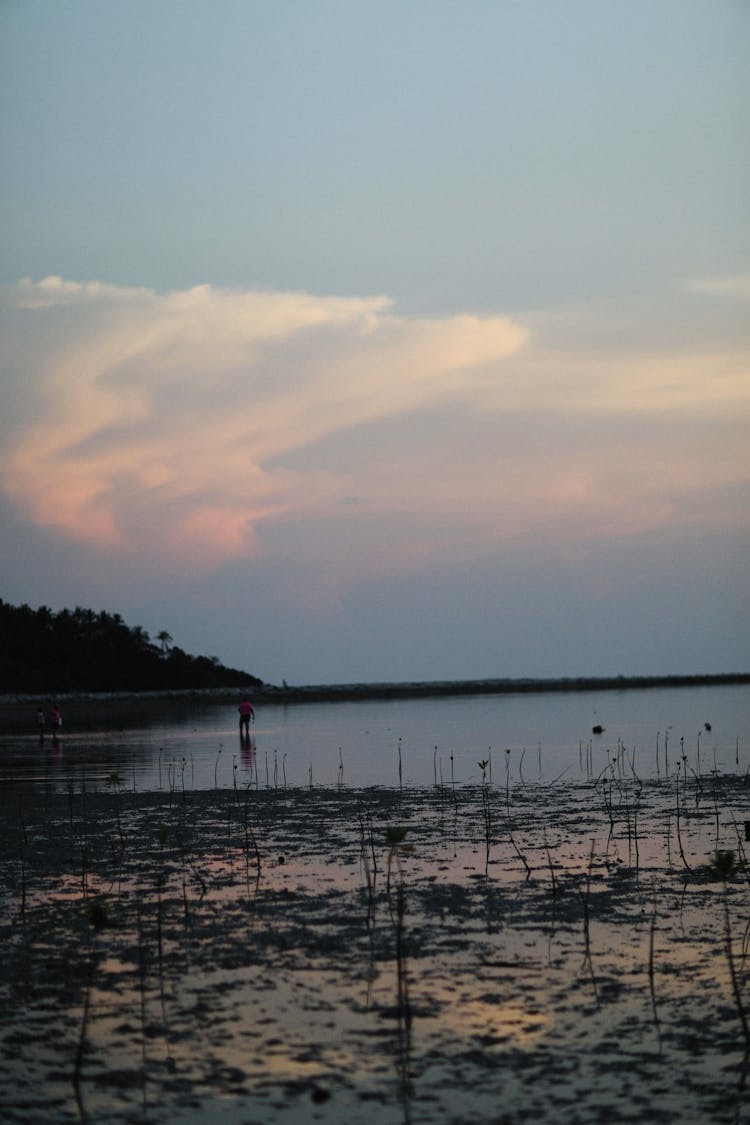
x: 556, y: 952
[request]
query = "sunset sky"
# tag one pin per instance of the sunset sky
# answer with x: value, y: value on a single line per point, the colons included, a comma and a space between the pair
x: 408, y: 340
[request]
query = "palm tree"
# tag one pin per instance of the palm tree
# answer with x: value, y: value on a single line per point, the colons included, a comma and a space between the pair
x: 166, y: 641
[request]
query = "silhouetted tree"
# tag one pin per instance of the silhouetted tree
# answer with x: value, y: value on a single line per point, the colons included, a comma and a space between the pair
x: 80, y: 650
x: 166, y: 640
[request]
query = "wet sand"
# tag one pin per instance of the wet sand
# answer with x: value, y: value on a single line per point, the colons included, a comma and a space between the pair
x: 292, y: 955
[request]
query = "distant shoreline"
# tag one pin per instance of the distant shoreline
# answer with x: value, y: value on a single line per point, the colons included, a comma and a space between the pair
x: 407, y: 690
x: 332, y: 693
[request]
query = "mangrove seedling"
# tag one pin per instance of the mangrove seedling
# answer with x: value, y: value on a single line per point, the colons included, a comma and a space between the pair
x: 550, y: 864
x: 394, y: 838
x: 679, y: 833
x: 250, y: 839
x: 514, y: 845
x: 723, y: 864
x: 370, y: 874
x: 651, y: 981
x: 486, y: 815
x: 585, y: 897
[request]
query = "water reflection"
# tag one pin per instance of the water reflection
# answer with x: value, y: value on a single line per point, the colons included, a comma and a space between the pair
x: 206, y: 988
x: 387, y: 742
x: 247, y: 752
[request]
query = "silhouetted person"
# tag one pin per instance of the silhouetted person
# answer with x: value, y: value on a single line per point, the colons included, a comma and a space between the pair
x: 40, y: 723
x: 56, y: 722
x: 247, y: 715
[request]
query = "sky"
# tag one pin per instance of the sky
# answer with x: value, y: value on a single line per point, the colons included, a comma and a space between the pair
x: 399, y: 341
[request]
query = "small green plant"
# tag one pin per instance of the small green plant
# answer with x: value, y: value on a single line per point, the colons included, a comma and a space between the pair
x: 723, y: 864
x: 395, y: 836
x: 98, y: 913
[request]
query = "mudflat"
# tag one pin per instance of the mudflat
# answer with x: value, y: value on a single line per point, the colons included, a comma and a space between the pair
x: 562, y: 953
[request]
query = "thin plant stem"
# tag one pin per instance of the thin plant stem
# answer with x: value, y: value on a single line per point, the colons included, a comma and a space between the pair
x: 651, y: 983
x: 587, y: 926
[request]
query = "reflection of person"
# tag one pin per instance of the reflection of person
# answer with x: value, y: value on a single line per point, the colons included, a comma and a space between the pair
x: 247, y: 715
x: 247, y: 751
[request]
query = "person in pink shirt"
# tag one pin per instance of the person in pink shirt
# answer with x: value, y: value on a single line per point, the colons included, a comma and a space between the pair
x: 247, y: 715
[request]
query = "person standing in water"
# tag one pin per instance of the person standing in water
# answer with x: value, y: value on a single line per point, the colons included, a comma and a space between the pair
x: 56, y: 721
x: 247, y: 715
x: 40, y: 723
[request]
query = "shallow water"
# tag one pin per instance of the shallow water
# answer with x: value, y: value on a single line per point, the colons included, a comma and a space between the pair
x: 523, y: 737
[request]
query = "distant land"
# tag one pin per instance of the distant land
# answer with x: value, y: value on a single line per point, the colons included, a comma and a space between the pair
x: 81, y: 651
x: 404, y: 690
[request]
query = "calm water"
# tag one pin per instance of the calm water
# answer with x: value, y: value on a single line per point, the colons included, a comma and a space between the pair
x: 413, y: 742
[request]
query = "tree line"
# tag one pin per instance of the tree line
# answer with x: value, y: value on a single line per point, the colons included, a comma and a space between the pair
x: 43, y: 652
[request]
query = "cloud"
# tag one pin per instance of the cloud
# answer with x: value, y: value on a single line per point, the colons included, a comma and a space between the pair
x: 732, y: 285
x: 162, y: 420
x: 195, y: 427
x: 55, y: 292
